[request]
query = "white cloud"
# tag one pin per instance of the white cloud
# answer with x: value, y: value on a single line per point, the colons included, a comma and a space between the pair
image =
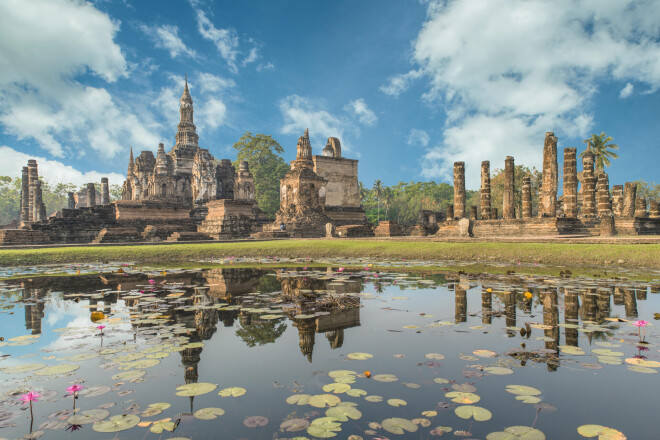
x: 506, y: 71
x: 225, y: 40
x: 51, y: 170
x: 46, y: 43
x: 213, y: 114
x: 398, y: 84
x: 418, y: 137
x: 360, y: 110
x: 213, y: 83
x: 167, y: 37
x: 267, y: 66
x: 626, y: 91
x: 251, y: 57
x: 300, y: 113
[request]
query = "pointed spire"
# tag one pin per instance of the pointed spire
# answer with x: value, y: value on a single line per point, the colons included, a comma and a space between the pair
x: 307, y: 133
x: 131, y: 163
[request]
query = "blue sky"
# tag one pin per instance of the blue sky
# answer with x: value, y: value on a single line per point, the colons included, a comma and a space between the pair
x: 408, y: 86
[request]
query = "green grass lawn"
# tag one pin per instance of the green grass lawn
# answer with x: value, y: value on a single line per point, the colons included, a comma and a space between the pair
x: 556, y: 254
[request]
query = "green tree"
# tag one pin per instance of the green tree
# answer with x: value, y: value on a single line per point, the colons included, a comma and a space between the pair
x: 378, y: 190
x: 262, y: 154
x: 10, y: 199
x: 648, y: 190
x: 497, y: 187
x: 599, y: 146
x: 260, y: 332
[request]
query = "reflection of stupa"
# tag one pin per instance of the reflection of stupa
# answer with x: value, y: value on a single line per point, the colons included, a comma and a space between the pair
x: 336, y: 338
x: 306, y: 330
x: 34, y: 309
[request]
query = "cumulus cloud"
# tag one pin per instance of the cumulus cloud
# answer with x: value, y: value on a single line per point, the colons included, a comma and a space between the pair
x: 527, y: 67
x: 626, y: 91
x: 361, y: 111
x: 225, y: 40
x: 51, y: 170
x: 418, y: 137
x: 39, y: 97
x: 251, y: 57
x: 167, y: 37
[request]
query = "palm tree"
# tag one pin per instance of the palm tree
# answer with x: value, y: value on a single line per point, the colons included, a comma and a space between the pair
x: 598, y: 145
x: 378, y: 188
x: 363, y: 191
x: 388, y: 195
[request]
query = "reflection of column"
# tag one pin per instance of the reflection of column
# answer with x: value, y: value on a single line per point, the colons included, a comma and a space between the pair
x: 486, y: 306
x: 551, y: 318
x: 571, y: 314
x: 640, y: 293
x: 589, y: 307
x: 335, y: 338
x: 604, y: 303
x: 460, y: 303
x: 306, y: 329
x: 510, y: 308
x: 630, y: 302
x: 459, y: 189
x: 485, y: 190
x: 34, y: 310
x: 618, y: 296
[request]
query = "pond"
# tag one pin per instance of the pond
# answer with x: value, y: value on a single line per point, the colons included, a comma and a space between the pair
x: 330, y: 352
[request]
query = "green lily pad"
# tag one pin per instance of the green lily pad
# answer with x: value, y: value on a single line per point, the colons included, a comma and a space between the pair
x: 129, y: 375
x: 339, y: 373
x: 345, y: 379
x: 522, y: 390
x: 343, y: 413
x: 397, y: 425
x: 440, y: 380
x: 478, y: 413
x: 336, y: 388
x: 323, y: 400
x: 232, y: 392
x: 89, y: 416
x: 298, y: 399
x: 460, y: 397
x: 638, y: 369
x: 116, y: 423
x: 139, y: 364
x: 83, y: 357
x: 57, y: 369
x: 195, y: 389
x: 434, y: 356
x: 208, y: 413
x: 603, y: 432
x: 606, y: 352
x: 24, y: 368
x: 162, y: 425
x: 324, y: 427
x: 569, y: 349
x: 396, y: 402
x: 255, y: 421
x: 374, y: 398
x: 356, y: 392
x: 385, y: 378
x: 293, y: 425
x: 359, y: 356
x: 498, y: 371
x: 528, y: 399
x: 517, y: 433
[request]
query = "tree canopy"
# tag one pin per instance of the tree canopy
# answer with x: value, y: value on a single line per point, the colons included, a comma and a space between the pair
x: 599, y: 146
x: 262, y: 154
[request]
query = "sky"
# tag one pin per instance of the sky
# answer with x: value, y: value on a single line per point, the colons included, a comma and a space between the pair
x: 408, y: 86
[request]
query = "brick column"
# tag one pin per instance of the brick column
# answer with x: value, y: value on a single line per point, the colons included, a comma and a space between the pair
x: 105, y: 191
x: 570, y: 182
x: 629, y: 195
x: 485, y: 190
x: 548, y: 199
x: 654, y: 211
x: 508, y: 197
x: 459, y: 189
x: 588, y: 186
x: 71, y: 201
x: 640, y: 207
x: 527, y: 197
x: 617, y: 200
x: 25, y: 196
x: 91, y: 195
x: 473, y: 212
x: 494, y: 214
x: 604, y: 204
x: 450, y: 212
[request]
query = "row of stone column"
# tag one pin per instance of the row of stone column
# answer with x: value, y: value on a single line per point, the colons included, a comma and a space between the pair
x: 32, y: 208
x: 91, y: 194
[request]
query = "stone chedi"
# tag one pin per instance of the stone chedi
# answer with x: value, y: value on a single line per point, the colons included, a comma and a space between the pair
x: 548, y: 197
x: 32, y: 208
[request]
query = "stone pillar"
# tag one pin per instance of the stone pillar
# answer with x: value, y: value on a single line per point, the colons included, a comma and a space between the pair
x: 71, y: 201
x: 527, y: 197
x: 508, y: 196
x: 654, y: 211
x: 588, y: 185
x: 91, y: 195
x: 37, y: 202
x: 640, y: 207
x: 485, y: 190
x: 617, y: 200
x: 548, y: 199
x: 33, y: 177
x: 494, y: 214
x: 459, y: 189
x: 569, y: 198
x: 604, y: 204
x: 473, y: 212
x: 105, y: 191
x: 629, y: 195
x: 607, y: 228
x: 25, y: 196
x: 450, y: 212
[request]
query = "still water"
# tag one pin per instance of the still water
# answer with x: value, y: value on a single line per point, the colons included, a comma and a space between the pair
x: 322, y: 353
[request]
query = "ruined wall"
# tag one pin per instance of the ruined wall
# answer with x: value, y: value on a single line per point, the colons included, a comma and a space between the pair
x: 342, y: 176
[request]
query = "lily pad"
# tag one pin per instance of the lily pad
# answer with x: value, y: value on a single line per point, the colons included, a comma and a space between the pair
x: 603, y: 432
x: 232, y: 392
x: 140, y: 364
x: 385, y: 378
x: 323, y: 400
x: 643, y: 362
x: 440, y: 380
x: 89, y: 416
x: 569, y: 349
x: 374, y: 398
x: 255, y: 421
x: 324, y: 427
x: 498, y: 371
x: 116, y: 423
x: 478, y: 413
x: 298, y: 399
x: 208, y: 413
x: 129, y: 375
x: 162, y: 425
x: 57, y: 369
x: 195, y: 389
x: 24, y: 368
x: 359, y: 356
x: 517, y: 433
x: 528, y: 399
x: 460, y: 397
x: 484, y: 353
x: 343, y: 413
x: 434, y: 356
x: 339, y: 373
x: 94, y: 391
x: 336, y: 388
x: 356, y: 392
x: 397, y: 425
x: 522, y: 390
x: 396, y: 402
x: 293, y: 425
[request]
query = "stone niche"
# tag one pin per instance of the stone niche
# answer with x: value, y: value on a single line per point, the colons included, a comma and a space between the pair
x: 228, y: 218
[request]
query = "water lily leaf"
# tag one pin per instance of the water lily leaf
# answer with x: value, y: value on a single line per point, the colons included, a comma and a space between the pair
x: 460, y: 397
x: 434, y: 356
x: 57, y: 369
x: 397, y: 425
x: 298, y: 399
x: 323, y: 400
x: 129, y: 375
x: 345, y: 379
x: 603, y: 432
x: 396, y: 402
x: 606, y: 352
x: 528, y: 399
x: 89, y: 416
x: 324, y: 427
x: 424, y: 423
x: 414, y: 386
x: 484, y: 353
x: 374, y: 399
x: 517, y: 433
x: 568, y: 349
x: 522, y: 390
x: 440, y: 430
x: 339, y: 373
x: 385, y: 378
x: 610, y: 360
x: 255, y: 421
x: 293, y: 425
x: 429, y: 413
x: 208, y: 413
x: 195, y: 389
x: 478, y: 413
x: 232, y: 392
x: 130, y: 357
x: 139, y: 364
x: 344, y: 412
x: 24, y: 368
x: 638, y: 369
x: 116, y: 423
x: 643, y: 362
x: 336, y: 388
x: 83, y: 357
x: 464, y: 387
x: 94, y: 391
x: 359, y: 356
x: 440, y: 380
x: 158, y: 355
x: 162, y: 425
x: 356, y: 392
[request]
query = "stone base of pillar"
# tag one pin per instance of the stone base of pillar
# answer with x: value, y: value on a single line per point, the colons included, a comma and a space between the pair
x: 607, y: 228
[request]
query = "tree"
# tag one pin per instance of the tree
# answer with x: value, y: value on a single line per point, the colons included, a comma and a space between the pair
x: 497, y: 187
x: 388, y: 196
x: 262, y: 154
x: 378, y: 189
x: 598, y: 145
x: 260, y: 332
x: 648, y: 190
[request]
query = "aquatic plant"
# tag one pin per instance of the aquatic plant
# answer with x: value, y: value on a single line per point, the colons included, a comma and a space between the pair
x: 640, y: 327
x: 30, y: 397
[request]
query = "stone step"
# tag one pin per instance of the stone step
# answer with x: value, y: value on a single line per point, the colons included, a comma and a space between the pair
x: 189, y: 236
x: 116, y: 235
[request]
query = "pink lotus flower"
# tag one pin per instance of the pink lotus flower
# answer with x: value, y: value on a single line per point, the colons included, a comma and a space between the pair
x: 32, y: 396
x: 152, y: 282
x: 341, y: 269
x: 100, y: 327
x: 74, y: 389
x: 640, y: 323
x: 640, y: 326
